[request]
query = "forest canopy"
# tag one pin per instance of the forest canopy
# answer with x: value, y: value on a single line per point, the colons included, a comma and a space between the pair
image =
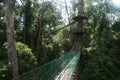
x: 35, y: 24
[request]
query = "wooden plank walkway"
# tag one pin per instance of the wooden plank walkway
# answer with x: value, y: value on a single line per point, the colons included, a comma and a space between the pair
x: 68, y: 72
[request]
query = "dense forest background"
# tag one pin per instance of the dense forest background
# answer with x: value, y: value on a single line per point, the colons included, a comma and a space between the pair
x: 101, y: 42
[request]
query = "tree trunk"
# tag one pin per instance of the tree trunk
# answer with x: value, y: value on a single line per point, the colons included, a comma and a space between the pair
x: 12, y: 54
x: 27, y: 23
x: 78, y: 41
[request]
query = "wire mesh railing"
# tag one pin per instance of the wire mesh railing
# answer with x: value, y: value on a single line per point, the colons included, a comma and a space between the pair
x: 68, y: 71
x: 50, y: 70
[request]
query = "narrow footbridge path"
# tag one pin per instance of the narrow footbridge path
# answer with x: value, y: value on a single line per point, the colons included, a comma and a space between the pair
x: 61, y: 68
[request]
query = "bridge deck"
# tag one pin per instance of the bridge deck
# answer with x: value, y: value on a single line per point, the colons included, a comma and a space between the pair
x: 59, y: 69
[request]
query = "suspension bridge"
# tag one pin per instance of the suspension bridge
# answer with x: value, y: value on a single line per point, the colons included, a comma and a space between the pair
x: 62, y: 68
x: 66, y: 66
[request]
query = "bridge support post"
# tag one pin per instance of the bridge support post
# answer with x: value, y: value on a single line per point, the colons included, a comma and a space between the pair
x: 79, y: 38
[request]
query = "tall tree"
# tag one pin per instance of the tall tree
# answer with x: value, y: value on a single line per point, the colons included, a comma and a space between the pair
x: 27, y: 22
x: 103, y: 45
x: 12, y: 54
x: 78, y: 38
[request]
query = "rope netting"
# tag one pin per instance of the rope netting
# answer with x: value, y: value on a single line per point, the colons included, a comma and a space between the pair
x: 69, y: 70
x: 51, y: 71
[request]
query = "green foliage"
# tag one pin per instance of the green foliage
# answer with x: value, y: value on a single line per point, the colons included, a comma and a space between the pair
x: 2, y: 24
x: 66, y: 40
x: 4, y: 73
x: 103, y: 48
x: 26, y: 59
x: 101, y: 40
x: 101, y: 65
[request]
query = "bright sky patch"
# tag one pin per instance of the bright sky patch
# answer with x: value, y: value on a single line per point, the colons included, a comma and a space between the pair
x: 116, y: 2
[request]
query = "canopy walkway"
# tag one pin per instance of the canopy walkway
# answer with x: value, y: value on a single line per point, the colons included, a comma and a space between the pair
x: 59, y: 69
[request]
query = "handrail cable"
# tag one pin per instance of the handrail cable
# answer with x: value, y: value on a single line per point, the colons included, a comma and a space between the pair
x: 60, y: 28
